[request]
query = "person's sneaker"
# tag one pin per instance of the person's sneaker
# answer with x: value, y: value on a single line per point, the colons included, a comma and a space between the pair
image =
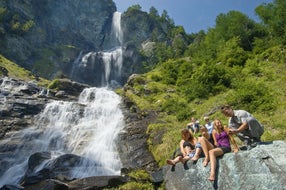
x: 251, y: 145
x: 243, y: 147
x: 257, y: 140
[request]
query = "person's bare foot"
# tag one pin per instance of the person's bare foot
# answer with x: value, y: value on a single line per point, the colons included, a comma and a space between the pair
x: 205, y: 163
x: 171, y: 162
x: 195, y: 158
x: 211, y: 178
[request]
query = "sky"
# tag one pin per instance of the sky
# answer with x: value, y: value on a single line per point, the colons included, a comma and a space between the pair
x: 195, y: 15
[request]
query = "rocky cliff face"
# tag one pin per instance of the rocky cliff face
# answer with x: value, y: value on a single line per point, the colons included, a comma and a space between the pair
x: 54, y: 23
x: 20, y: 101
x: 50, y: 38
x: 47, y: 37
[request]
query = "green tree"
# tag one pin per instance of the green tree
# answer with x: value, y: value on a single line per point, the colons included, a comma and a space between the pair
x: 231, y: 54
x: 136, y: 7
x: 236, y: 24
x: 169, y: 71
x: 274, y: 17
x: 166, y: 17
x: 179, y: 42
x: 252, y: 95
x: 153, y: 12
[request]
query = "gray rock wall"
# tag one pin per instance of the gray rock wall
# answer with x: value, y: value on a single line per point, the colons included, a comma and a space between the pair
x: 60, y: 30
x: 261, y: 168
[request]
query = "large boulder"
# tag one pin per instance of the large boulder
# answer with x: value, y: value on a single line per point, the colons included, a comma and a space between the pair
x: 41, y: 167
x: 262, y: 167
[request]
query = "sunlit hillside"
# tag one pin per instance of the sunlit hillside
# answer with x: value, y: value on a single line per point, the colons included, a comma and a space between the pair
x: 12, y: 70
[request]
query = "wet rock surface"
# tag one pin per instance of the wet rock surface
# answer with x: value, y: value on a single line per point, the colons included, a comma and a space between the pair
x: 21, y: 102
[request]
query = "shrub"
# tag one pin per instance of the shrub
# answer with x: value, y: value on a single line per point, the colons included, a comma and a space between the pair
x: 253, y: 96
x: 54, y: 84
x: 28, y: 25
x: 135, y: 185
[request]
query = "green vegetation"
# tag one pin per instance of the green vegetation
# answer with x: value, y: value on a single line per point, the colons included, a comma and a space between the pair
x: 10, y: 69
x: 17, y: 24
x: 54, y: 84
x: 238, y: 62
x: 135, y: 185
x: 139, y: 179
x: 45, y: 65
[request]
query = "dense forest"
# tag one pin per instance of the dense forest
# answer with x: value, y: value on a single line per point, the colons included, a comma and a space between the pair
x: 238, y: 62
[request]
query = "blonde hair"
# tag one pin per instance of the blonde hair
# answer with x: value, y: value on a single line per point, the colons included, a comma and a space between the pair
x: 216, y: 127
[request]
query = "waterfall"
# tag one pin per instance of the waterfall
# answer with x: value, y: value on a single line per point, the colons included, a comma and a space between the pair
x: 116, y: 58
x: 102, y: 68
x: 116, y: 26
x: 88, y: 128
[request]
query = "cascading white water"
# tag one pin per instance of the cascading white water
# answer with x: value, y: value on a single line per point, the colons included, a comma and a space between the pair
x: 116, y: 26
x: 110, y: 57
x: 87, y: 128
x: 108, y: 61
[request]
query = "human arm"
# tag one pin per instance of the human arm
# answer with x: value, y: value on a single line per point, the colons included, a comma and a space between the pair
x: 182, y: 148
x: 232, y: 140
x: 204, y: 132
x: 241, y: 128
x: 214, y: 138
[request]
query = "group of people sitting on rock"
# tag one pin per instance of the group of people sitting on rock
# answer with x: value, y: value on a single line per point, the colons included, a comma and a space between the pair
x: 215, y: 139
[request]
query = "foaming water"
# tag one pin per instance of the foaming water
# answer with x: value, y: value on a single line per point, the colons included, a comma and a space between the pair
x: 106, y: 65
x: 112, y: 62
x: 87, y: 128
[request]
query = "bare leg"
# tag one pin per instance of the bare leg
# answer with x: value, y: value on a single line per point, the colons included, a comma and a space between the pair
x: 197, y: 154
x: 175, y: 161
x: 206, y: 146
x: 184, y: 159
x: 213, y: 154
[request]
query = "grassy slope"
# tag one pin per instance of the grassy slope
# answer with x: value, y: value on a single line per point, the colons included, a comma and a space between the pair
x: 149, y: 94
x: 152, y: 95
x: 17, y: 72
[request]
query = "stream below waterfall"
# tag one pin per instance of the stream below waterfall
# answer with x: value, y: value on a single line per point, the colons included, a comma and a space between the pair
x: 88, y: 128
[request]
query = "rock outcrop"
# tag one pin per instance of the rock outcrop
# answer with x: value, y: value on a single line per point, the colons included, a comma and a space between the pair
x: 132, y: 146
x: 54, y: 23
x: 261, y: 168
x: 21, y: 101
x: 51, y: 38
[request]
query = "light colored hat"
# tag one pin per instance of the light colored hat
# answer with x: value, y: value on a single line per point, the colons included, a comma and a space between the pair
x: 205, y: 118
